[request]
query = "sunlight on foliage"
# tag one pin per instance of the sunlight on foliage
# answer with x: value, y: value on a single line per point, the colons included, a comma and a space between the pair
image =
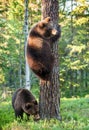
x: 81, y: 21
x: 76, y: 48
x: 2, y: 78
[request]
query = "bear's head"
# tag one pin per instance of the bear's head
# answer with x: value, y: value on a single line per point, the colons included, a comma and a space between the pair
x: 32, y: 109
x: 45, y: 28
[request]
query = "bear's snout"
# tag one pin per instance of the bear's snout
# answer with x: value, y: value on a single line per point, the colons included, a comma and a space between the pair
x: 54, y: 32
x: 36, y: 117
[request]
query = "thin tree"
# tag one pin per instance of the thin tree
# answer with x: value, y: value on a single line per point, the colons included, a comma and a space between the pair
x: 20, y: 65
x: 27, y: 72
x: 71, y: 40
x: 49, y: 93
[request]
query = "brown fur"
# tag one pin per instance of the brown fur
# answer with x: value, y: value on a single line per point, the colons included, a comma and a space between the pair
x: 39, y: 55
x: 33, y: 40
x: 24, y: 102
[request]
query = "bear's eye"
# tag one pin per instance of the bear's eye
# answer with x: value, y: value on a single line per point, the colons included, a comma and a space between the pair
x: 35, y: 102
x: 44, y: 25
x: 49, y: 20
x: 28, y: 106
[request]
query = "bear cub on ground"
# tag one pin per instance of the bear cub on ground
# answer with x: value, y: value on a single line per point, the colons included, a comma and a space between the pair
x: 39, y: 55
x: 24, y: 102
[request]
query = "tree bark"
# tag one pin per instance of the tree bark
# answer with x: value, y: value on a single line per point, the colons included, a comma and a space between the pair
x: 49, y: 92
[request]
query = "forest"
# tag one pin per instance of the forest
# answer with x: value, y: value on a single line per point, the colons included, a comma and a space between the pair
x: 73, y: 49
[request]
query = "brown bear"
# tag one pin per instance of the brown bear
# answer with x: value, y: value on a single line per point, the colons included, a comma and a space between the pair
x: 39, y: 55
x: 24, y: 102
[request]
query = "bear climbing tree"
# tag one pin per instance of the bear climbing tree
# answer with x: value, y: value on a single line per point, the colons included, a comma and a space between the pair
x: 49, y: 93
x: 39, y: 55
x: 42, y: 57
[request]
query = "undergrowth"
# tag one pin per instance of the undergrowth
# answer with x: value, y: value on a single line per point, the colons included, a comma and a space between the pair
x: 74, y: 112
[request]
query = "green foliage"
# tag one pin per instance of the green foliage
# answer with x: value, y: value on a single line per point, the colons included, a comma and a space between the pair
x: 73, y: 47
x: 12, y: 67
x: 73, y: 44
x: 75, y: 114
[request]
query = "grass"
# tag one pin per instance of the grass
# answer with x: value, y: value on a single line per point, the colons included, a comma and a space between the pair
x: 74, y: 112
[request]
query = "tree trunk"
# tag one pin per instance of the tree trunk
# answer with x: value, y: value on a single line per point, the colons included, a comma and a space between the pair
x: 72, y: 36
x: 49, y: 93
x: 27, y: 72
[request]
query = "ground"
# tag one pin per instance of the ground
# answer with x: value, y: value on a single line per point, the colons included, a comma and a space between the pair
x: 74, y: 111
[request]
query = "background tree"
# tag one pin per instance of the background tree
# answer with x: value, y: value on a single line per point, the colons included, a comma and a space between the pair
x: 49, y: 93
x: 27, y: 71
x: 73, y: 53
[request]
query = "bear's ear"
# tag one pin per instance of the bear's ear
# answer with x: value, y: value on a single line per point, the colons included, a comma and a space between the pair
x: 35, y: 102
x: 28, y: 105
x: 42, y: 24
x: 47, y: 20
